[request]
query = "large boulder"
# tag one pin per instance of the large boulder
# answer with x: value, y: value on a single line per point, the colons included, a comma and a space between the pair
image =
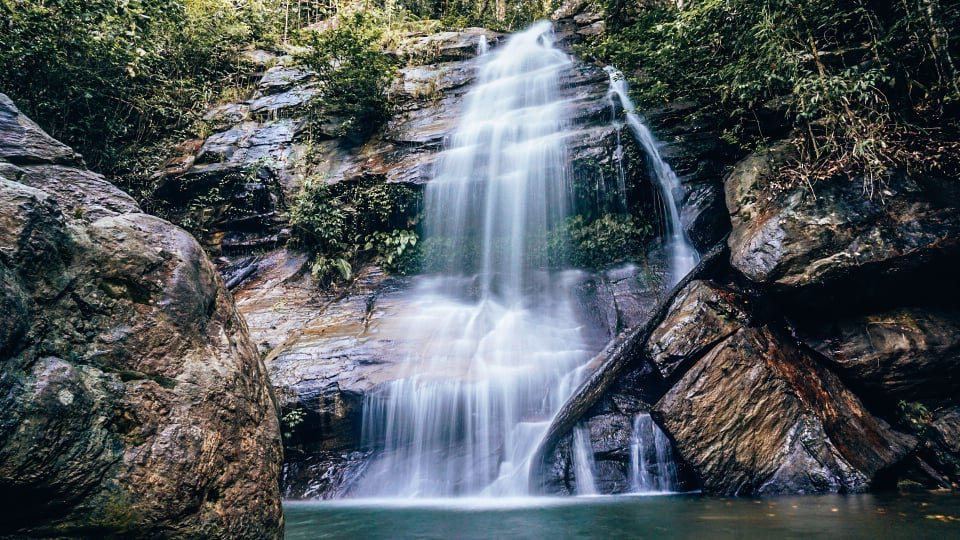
x: 134, y: 401
x: 794, y: 236
x: 758, y: 415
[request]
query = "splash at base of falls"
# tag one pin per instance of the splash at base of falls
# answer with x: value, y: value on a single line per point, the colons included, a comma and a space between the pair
x: 479, y: 392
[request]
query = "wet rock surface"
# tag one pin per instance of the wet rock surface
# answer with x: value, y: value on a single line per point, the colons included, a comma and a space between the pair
x: 901, y: 354
x: 691, y: 143
x: 798, y: 237
x: 134, y: 401
x: 701, y: 316
x: 756, y: 415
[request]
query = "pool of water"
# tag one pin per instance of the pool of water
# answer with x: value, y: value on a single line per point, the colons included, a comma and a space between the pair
x: 920, y: 515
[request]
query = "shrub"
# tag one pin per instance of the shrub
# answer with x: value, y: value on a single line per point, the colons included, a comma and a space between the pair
x: 354, y: 74
x: 343, y: 225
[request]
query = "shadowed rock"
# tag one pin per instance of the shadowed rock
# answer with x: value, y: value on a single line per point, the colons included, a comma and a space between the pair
x: 905, y: 353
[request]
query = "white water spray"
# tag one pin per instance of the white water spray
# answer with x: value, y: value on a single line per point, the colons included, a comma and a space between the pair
x: 683, y: 256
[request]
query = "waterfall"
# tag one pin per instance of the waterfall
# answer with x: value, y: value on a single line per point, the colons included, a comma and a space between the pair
x: 482, y: 45
x: 652, y: 468
x: 683, y: 256
x: 618, y: 152
x: 498, y: 342
x: 583, y: 461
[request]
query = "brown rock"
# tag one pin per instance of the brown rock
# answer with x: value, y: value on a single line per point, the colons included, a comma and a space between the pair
x: 701, y: 316
x: 794, y: 236
x: 757, y: 416
x: 134, y: 402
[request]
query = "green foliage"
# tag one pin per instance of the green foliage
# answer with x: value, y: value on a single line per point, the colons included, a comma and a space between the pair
x: 914, y: 415
x: 392, y: 246
x: 493, y: 14
x: 607, y: 241
x: 107, y: 76
x: 855, y: 76
x: 354, y: 73
x: 290, y: 421
x: 345, y: 224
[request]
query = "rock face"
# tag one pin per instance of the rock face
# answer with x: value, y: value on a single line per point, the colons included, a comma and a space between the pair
x: 834, y: 320
x: 899, y: 354
x: 134, y: 401
x: 756, y: 415
x: 797, y: 237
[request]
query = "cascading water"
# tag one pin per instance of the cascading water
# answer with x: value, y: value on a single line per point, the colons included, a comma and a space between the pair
x: 683, y: 256
x: 652, y: 468
x: 498, y: 341
x: 583, y: 461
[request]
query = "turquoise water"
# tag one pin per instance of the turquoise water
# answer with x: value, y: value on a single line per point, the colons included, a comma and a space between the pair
x: 921, y: 515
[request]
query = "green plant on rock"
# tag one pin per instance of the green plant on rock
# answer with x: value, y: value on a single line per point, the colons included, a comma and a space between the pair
x: 607, y: 241
x: 346, y: 224
x: 391, y: 247
x: 914, y: 415
x: 289, y: 422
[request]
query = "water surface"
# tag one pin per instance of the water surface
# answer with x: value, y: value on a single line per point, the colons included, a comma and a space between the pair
x: 922, y: 515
